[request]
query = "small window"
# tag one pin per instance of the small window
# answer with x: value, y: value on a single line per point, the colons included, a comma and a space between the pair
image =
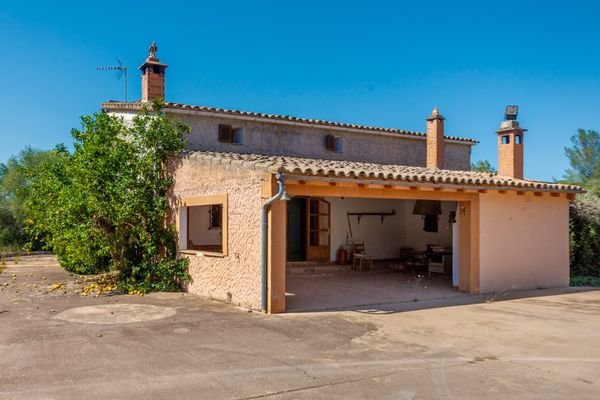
x: 203, y: 225
x: 518, y: 139
x: 237, y: 136
x: 505, y: 139
x: 334, y: 143
x: 204, y: 228
x: 229, y: 134
x: 225, y: 133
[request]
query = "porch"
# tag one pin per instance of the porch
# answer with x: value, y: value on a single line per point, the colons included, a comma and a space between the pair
x: 397, y: 263
x: 327, y: 287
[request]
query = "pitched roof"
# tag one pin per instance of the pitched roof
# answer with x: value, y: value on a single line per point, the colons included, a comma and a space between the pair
x: 137, y: 106
x: 369, y: 171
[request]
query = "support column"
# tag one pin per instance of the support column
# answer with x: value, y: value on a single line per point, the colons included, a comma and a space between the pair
x: 277, y: 254
x: 474, y: 270
x: 469, y: 246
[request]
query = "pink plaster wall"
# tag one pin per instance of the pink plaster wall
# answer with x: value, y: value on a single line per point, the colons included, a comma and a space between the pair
x: 235, y: 277
x: 524, y: 241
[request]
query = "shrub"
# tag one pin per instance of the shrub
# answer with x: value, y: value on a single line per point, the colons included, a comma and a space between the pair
x: 585, y: 236
x: 585, y: 281
x: 104, y: 206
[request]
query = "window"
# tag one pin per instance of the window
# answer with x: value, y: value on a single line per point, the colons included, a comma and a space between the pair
x: 238, y: 136
x: 225, y: 134
x: 505, y: 139
x: 334, y: 143
x: 202, y: 225
x: 229, y: 134
x: 518, y: 139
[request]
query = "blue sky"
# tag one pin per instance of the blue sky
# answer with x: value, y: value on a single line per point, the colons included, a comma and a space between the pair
x: 383, y: 63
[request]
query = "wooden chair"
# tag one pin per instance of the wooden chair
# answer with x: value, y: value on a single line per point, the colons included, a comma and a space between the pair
x: 360, y: 258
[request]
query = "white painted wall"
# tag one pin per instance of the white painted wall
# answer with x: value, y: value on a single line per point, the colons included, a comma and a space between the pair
x: 199, y: 233
x: 417, y: 238
x: 385, y: 240
x: 524, y: 241
x: 127, y: 116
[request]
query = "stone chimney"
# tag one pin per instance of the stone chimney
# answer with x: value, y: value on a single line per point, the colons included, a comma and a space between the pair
x: 510, y: 145
x: 435, y: 140
x: 153, y: 76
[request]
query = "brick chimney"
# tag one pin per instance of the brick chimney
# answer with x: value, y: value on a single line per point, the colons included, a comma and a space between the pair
x: 153, y: 76
x: 435, y: 140
x: 510, y: 145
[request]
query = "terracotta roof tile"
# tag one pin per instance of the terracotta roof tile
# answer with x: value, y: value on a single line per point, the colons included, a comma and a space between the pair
x: 385, y: 172
x: 137, y: 105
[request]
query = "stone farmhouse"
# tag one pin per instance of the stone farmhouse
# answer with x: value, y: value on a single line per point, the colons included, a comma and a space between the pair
x: 260, y: 198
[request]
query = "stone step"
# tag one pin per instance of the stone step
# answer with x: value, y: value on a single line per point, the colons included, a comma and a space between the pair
x: 315, y: 268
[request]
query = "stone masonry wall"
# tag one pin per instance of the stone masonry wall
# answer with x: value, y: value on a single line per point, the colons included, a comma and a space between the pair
x: 301, y: 141
x: 234, y: 278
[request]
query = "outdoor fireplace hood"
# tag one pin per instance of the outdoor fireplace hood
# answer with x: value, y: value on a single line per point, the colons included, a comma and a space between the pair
x: 427, y: 207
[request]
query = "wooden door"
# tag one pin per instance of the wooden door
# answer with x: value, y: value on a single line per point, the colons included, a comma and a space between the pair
x: 319, y: 236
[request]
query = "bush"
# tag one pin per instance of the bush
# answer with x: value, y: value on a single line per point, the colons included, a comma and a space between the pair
x: 585, y: 236
x: 10, y: 233
x: 585, y: 281
x: 104, y: 206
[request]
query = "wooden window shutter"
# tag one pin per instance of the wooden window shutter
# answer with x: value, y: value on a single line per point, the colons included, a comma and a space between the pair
x: 225, y: 134
x: 330, y: 142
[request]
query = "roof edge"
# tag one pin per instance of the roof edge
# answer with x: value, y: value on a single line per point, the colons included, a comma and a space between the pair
x: 274, y: 118
x: 360, y: 172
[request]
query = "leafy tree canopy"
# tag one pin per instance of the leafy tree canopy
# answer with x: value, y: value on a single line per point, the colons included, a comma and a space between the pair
x: 584, y: 157
x: 104, y: 205
x: 483, y: 166
x: 15, y: 181
x: 585, y: 236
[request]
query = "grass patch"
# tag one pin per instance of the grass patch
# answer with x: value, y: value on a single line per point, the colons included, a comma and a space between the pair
x: 585, y: 281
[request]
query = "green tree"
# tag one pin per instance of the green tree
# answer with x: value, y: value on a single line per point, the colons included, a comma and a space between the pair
x: 483, y: 166
x: 584, y: 157
x: 15, y: 181
x: 104, y: 206
x: 585, y: 236
x: 11, y: 233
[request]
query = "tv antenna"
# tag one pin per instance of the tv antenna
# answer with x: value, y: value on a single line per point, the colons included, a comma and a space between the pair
x: 121, y: 71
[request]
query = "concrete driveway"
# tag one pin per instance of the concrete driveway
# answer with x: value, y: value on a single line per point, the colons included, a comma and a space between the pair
x: 176, y: 346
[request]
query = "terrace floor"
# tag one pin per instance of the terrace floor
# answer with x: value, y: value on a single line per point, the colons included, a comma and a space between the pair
x: 324, y: 288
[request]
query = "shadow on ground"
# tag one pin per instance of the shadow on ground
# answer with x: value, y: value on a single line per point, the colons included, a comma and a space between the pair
x: 57, y: 345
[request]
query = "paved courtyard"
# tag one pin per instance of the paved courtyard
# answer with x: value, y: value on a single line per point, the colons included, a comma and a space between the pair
x: 57, y: 345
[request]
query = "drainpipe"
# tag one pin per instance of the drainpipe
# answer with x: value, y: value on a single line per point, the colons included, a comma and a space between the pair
x: 264, y: 234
